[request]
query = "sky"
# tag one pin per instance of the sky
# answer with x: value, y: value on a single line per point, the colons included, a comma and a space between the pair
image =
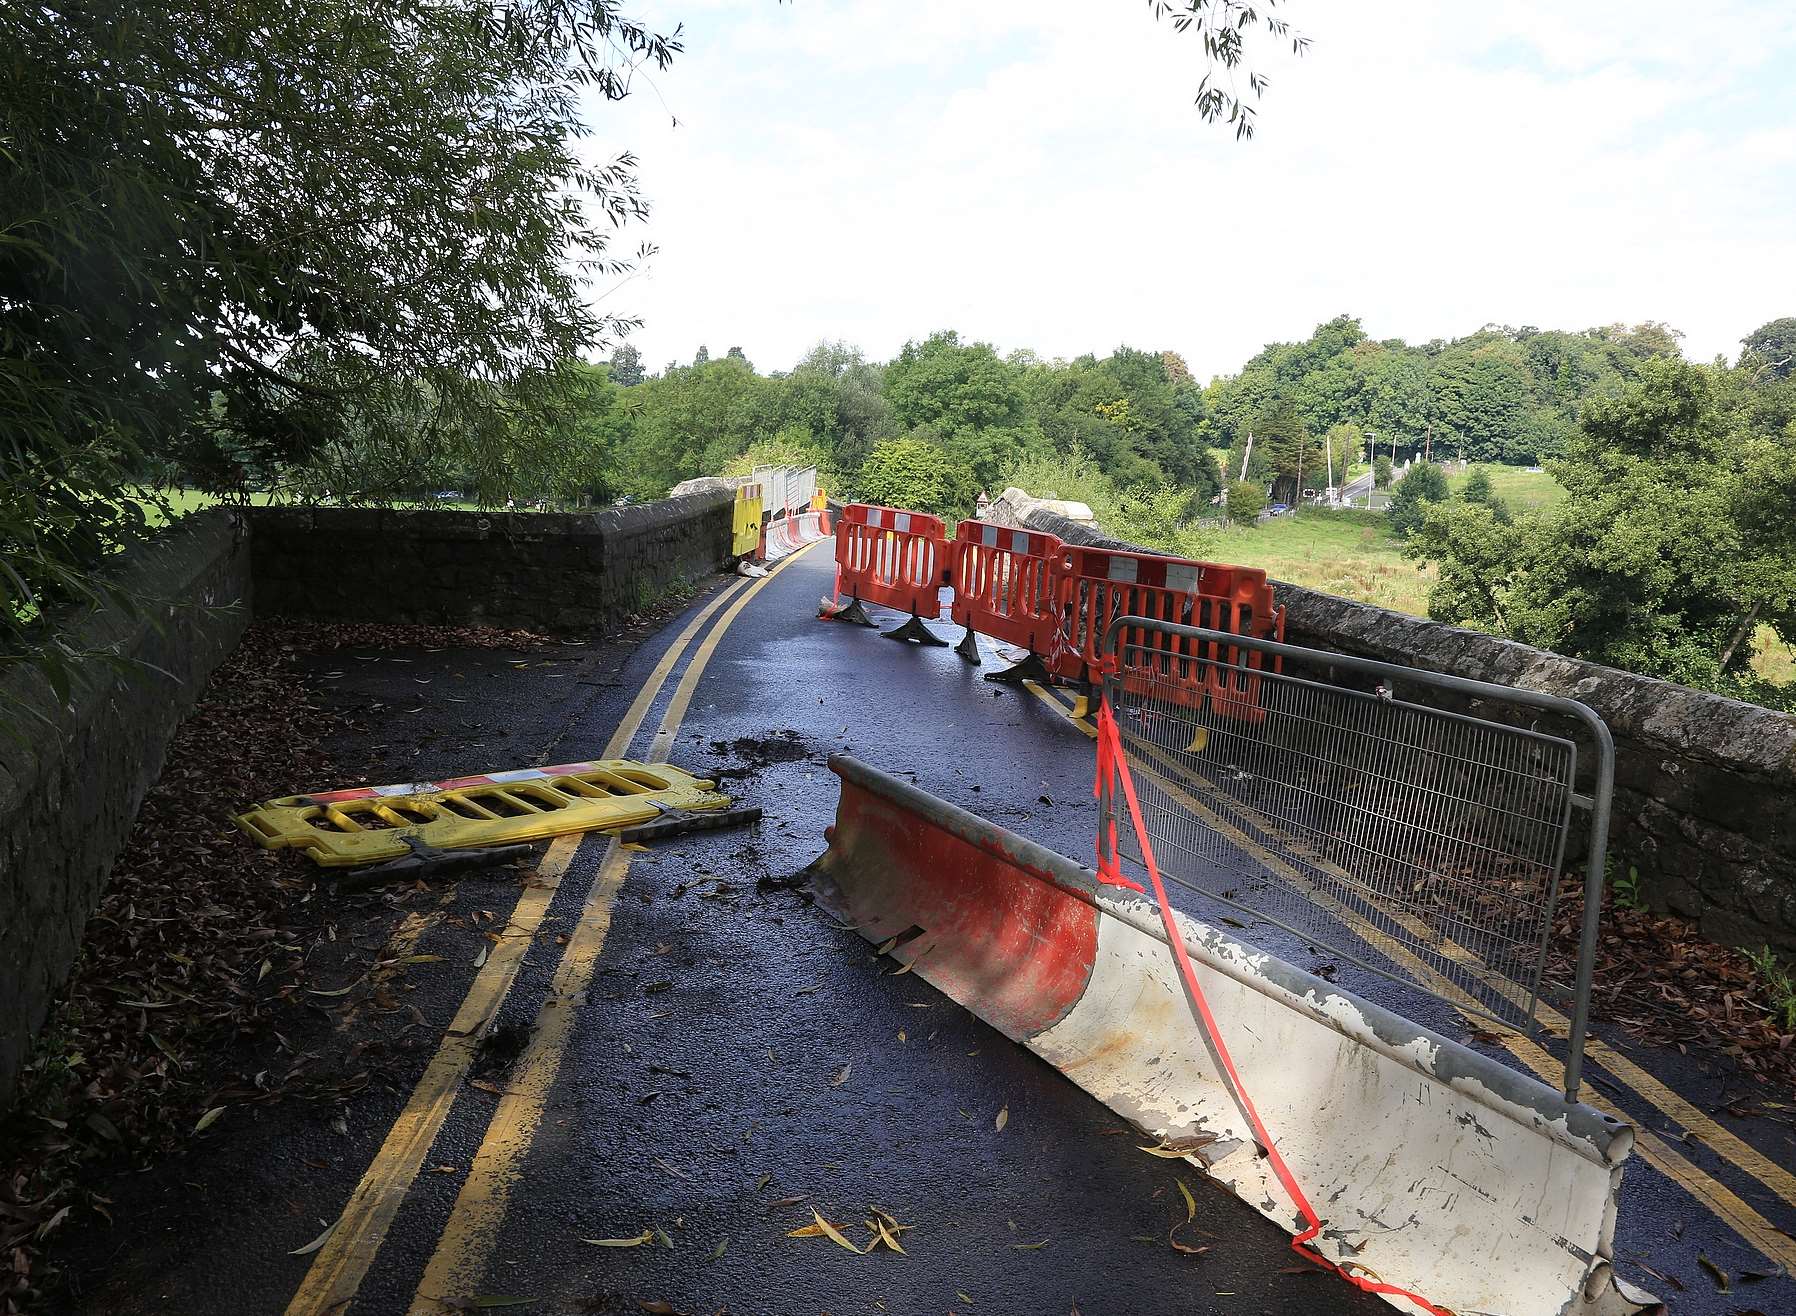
x: 1032, y: 173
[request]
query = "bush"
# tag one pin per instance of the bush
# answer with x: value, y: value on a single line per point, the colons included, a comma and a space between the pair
x: 1424, y: 484
x: 1381, y: 472
x: 911, y: 473
x: 1246, y: 501
x: 792, y: 446
x: 1155, y: 515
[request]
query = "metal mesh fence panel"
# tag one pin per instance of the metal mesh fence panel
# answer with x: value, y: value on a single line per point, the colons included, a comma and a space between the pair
x: 1420, y: 843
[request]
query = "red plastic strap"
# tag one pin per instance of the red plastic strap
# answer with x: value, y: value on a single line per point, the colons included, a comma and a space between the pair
x: 1109, y: 864
x: 1111, y: 759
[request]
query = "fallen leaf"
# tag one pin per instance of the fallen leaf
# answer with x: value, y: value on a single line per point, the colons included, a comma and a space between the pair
x: 1002, y: 1120
x: 480, y: 959
x: 208, y: 1119
x: 1028, y: 1247
x: 841, y: 1075
x: 1190, y: 1201
x: 823, y: 1228
x: 717, y: 1251
x: 963, y: 1297
x: 646, y: 1236
x: 1716, y: 1273
x: 318, y: 1242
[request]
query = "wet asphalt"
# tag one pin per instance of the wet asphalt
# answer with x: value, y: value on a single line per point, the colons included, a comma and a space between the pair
x: 737, y: 1050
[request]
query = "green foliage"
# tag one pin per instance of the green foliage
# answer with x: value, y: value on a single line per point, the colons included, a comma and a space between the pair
x: 626, y: 365
x: 1625, y: 887
x: 1381, y: 472
x: 217, y: 248
x: 1477, y: 489
x: 1158, y: 516
x: 1672, y: 546
x: 912, y: 473
x: 1246, y: 501
x: 1501, y: 394
x: 693, y: 420
x: 1424, y: 483
x: 1770, y: 350
x: 1780, y: 987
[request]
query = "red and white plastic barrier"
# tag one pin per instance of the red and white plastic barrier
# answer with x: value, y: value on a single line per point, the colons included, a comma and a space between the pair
x: 788, y: 534
x: 893, y: 558
x: 1442, y: 1174
x: 1007, y: 585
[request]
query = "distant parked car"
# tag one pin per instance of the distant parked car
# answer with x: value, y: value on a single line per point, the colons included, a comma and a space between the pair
x: 447, y: 495
x: 1278, y: 509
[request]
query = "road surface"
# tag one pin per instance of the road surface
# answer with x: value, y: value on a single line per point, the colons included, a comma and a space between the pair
x: 674, y: 1045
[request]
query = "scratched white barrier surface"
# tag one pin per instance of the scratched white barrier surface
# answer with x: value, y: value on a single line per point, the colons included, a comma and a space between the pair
x: 1433, y: 1167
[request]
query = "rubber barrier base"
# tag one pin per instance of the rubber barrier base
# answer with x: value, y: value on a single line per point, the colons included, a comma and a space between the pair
x: 1030, y: 669
x: 916, y: 632
x: 1443, y: 1171
x: 851, y: 611
x: 968, y: 648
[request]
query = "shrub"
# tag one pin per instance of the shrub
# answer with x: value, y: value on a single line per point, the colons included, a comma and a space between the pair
x: 1246, y: 501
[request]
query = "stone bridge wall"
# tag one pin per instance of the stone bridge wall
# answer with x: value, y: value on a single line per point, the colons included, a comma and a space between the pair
x: 74, y: 771
x: 543, y: 571
x: 1705, y: 787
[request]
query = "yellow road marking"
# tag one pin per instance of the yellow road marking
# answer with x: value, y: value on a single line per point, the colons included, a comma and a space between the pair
x: 338, y: 1268
x: 1716, y: 1196
x: 472, y: 1230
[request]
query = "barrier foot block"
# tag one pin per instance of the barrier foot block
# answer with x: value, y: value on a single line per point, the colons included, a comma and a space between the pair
x: 968, y: 647
x: 1030, y: 669
x: 914, y: 629
x: 849, y: 612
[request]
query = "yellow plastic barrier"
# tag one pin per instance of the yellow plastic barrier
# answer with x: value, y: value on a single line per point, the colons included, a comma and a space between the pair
x: 746, y: 530
x: 365, y: 825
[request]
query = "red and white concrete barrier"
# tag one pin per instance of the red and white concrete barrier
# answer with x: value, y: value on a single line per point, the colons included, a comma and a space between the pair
x: 1436, y: 1169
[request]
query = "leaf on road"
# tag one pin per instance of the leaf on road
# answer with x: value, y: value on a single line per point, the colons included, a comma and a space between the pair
x: 1190, y: 1201
x: 717, y: 1252
x: 885, y: 947
x: 480, y: 959
x: 899, y: 973
x: 646, y: 1236
x: 963, y: 1297
x: 1002, y: 1120
x: 1716, y: 1273
x: 1174, y: 1149
x: 1028, y: 1247
x: 318, y: 1242
x: 822, y: 1228
x: 208, y: 1119
x: 841, y: 1075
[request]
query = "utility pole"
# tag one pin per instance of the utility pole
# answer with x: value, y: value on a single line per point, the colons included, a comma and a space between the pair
x: 1328, y: 452
x: 1245, y: 456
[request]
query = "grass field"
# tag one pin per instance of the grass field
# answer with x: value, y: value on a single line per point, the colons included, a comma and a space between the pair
x: 1349, y: 553
x: 1523, y: 490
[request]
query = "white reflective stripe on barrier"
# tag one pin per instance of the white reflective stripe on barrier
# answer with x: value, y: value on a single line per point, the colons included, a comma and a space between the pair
x: 988, y: 535
x: 901, y: 521
x: 1019, y: 541
x: 1181, y: 576
x: 1123, y: 569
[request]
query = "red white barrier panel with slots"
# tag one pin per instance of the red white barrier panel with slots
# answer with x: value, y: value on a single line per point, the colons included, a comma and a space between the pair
x: 892, y: 558
x: 1007, y: 585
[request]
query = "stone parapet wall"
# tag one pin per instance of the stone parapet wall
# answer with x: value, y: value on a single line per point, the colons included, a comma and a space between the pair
x: 74, y: 770
x: 555, y: 572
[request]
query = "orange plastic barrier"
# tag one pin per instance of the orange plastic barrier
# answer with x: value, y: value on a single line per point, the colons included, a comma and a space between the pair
x: 891, y: 557
x: 1007, y: 586
x: 1098, y: 585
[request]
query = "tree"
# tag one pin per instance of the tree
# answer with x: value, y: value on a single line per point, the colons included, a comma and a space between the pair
x: 1423, y: 484
x: 1673, y: 544
x: 216, y: 233
x: 1771, y: 348
x: 1292, y: 455
x: 626, y: 365
x: 702, y: 356
x: 911, y: 473
x: 1246, y: 501
x: 1477, y: 490
x: 693, y: 420
x: 952, y: 386
x: 1381, y: 471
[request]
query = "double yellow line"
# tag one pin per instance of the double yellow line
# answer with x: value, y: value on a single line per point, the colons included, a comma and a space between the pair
x: 1722, y: 1201
x: 339, y: 1266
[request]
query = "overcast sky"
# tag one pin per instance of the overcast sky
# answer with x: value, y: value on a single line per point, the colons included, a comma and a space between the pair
x: 1033, y: 174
